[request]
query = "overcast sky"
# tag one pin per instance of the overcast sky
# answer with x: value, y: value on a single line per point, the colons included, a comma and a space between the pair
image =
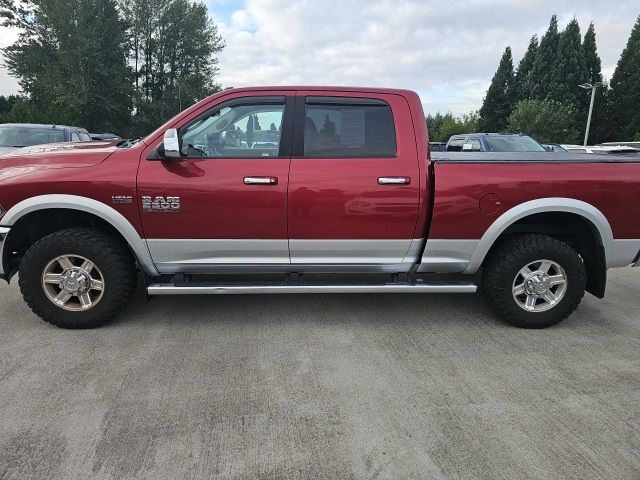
x: 446, y: 51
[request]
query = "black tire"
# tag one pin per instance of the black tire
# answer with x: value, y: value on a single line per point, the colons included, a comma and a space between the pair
x: 501, y: 268
x: 113, y: 260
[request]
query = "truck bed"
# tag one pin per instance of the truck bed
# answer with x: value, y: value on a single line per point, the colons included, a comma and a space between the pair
x: 529, y: 157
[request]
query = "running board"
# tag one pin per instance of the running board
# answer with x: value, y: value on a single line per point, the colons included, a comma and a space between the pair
x: 203, y: 289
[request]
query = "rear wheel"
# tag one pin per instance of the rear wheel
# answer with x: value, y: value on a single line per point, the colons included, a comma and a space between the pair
x: 533, y: 281
x: 77, y: 278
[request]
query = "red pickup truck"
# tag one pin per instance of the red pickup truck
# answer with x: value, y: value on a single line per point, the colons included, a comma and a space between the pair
x: 297, y: 189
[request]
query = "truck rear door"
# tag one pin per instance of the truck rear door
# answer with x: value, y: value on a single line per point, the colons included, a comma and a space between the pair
x: 353, y: 183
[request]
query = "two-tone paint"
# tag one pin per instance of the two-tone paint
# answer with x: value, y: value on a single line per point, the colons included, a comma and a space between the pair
x: 319, y: 214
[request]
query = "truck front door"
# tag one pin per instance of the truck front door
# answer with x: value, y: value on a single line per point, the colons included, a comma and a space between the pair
x: 222, y: 204
x: 353, y: 183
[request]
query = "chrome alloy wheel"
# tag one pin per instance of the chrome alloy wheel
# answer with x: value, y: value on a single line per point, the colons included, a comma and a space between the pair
x: 539, y: 286
x: 73, y: 282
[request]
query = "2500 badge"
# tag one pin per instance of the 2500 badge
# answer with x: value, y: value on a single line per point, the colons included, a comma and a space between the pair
x: 160, y: 204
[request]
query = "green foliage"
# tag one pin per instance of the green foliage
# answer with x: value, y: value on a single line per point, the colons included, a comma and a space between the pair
x: 6, y: 104
x: 540, y: 76
x: 88, y: 64
x: 593, y: 65
x: 70, y: 59
x: 547, y: 121
x: 441, y: 127
x: 172, y: 45
x: 624, y: 97
x: 599, y: 121
x: 500, y: 97
x: 569, y: 69
x: 522, y: 80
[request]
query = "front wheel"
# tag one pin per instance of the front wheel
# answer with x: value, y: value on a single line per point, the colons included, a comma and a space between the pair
x: 77, y: 277
x: 534, y: 281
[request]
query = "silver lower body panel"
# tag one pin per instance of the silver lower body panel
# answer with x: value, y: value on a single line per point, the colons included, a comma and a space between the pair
x: 446, y: 256
x: 281, y: 256
x: 4, y: 231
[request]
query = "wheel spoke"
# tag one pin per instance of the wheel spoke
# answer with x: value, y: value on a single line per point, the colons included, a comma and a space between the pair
x: 557, y: 280
x: 96, y: 285
x: 85, y: 300
x: 545, y: 266
x: 525, y: 272
x: 65, y: 263
x: 55, y: 278
x: 550, y: 298
x: 518, y: 289
x: 62, y: 297
x: 87, y: 266
x: 531, y: 302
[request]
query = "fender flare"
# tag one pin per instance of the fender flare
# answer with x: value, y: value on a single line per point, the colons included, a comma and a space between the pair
x: 541, y: 205
x: 89, y: 205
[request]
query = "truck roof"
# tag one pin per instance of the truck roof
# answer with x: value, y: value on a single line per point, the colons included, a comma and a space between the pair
x: 332, y: 88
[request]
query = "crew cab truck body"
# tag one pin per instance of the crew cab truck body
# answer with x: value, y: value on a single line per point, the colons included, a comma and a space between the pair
x: 307, y: 184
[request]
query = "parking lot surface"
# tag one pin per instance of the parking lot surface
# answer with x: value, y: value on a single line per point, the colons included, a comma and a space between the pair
x: 323, y: 386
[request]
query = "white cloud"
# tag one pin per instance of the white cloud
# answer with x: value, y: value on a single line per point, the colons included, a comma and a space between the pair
x: 447, y: 51
x: 8, y: 84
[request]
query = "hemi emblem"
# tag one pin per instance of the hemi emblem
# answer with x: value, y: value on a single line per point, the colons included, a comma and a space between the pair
x: 160, y: 204
x: 122, y: 199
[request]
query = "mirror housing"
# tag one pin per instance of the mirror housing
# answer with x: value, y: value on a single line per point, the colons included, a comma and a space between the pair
x: 171, y: 144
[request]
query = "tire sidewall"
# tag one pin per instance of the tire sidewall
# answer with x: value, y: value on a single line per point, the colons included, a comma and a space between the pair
x: 30, y: 280
x: 502, y: 296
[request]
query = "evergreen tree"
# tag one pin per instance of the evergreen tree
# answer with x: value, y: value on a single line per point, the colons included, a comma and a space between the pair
x: 569, y: 69
x: 522, y: 87
x: 624, y: 96
x: 329, y: 127
x: 499, y: 101
x: 592, y: 60
x: 540, y: 76
x: 71, y: 61
x: 173, y: 46
x: 599, y: 121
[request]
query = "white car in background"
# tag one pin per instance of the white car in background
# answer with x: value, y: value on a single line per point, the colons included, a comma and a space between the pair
x: 602, y: 149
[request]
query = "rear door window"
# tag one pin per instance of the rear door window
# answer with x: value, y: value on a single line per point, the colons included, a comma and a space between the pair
x: 455, y: 144
x: 339, y: 127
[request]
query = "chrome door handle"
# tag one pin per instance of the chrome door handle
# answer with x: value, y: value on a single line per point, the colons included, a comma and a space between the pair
x: 394, y: 180
x: 260, y: 180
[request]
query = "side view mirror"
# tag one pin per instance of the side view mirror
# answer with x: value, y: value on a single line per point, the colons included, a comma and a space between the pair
x: 171, y: 144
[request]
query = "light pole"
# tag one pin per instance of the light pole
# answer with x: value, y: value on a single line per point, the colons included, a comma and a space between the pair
x: 592, y: 87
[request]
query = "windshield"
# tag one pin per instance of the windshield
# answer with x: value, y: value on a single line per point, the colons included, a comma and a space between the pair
x: 26, y: 136
x: 513, y: 143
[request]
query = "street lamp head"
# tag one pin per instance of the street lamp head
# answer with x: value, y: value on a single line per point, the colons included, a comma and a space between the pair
x: 586, y: 86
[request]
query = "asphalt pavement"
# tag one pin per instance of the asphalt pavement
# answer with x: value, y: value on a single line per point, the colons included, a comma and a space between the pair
x: 323, y: 387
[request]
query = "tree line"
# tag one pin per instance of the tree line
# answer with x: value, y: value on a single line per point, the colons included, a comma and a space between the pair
x: 541, y: 97
x: 121, y: 67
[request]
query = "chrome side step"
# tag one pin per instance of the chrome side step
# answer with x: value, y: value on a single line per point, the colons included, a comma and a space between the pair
x: 200, y: 289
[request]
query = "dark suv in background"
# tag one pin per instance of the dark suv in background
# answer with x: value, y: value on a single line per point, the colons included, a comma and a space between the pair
x: 493, y: 142
x: 17, y: 135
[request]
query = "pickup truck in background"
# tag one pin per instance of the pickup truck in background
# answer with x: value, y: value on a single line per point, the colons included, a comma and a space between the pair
x: 18, y: 135
x: 493, y: 142
x: 311, y: 189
